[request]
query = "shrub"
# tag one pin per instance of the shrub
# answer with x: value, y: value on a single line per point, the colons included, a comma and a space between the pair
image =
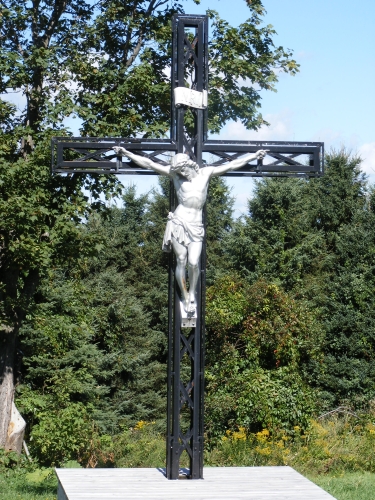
x: 334, y: 446
x: 260, y: 345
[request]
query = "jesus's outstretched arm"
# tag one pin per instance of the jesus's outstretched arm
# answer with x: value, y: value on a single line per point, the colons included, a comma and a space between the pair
x: 239, y: 162
x: 143, y: 162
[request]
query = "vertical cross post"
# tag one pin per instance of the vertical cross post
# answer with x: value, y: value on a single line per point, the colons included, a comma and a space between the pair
x: 186, y: 346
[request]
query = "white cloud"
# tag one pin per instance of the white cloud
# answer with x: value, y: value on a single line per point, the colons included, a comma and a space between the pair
x: 304, y: 55
x: 337, y: 139
x: 367, y: 153
x: 240, y: 198
x: 280, y: 129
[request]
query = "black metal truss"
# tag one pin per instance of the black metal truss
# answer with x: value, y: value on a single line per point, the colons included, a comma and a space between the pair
x: 189, y: 67
x: 185, y: 390
x: 95, y: 155
x: 186, y: 385
x: 81, y: 155
x: 287, y: 159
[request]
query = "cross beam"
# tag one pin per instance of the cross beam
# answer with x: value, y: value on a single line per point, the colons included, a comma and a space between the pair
x: 93, y: 155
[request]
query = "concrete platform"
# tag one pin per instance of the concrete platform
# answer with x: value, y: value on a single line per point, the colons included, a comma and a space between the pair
x: 230, y: 483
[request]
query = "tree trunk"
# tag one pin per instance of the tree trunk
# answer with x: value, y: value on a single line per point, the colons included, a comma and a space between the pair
x: 16, y: 431
x: 12, y: 425
x: 7, y: 356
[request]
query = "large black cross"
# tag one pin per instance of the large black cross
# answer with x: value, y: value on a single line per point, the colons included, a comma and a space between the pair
x: 95, y: 156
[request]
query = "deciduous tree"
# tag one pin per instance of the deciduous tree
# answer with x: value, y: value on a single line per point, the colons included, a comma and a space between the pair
x: 107, y: 64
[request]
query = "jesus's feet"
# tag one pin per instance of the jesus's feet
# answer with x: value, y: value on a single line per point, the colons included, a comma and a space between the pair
x: 186, y: 303
x: 190, y: 307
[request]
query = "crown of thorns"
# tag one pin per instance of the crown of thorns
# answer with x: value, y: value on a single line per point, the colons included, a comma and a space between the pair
x: 181, y: 159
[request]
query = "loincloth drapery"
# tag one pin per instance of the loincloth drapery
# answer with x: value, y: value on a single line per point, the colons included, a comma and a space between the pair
x: 184, y: 232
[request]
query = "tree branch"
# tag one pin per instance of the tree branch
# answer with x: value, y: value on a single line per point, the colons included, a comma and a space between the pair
x: 152, y: 6
x: 136, y: 50
x: 12, y: 34
x: 59, y: 8
x: 34, y: 24
x: 129, y: 34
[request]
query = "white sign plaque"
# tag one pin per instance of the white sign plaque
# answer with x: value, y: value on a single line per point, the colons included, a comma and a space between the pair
x: 192, y: 98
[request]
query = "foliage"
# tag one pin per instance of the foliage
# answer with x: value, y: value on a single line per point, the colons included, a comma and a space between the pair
x: 10, y: 460
x: 41, y: 227
x: 315, y: 239
x: 15, y: 486
x: 141, y: 446
x: 219, y: 222
x: 104, y: 64
x: 333, y: 446
x: 20, y: 478
x: 94, y: 344
x: 290, y: 308
x: 115, y: 54
x: 62, y: 434
x: 93, y: 339
x: 94, y: 356
x: 259, y: 343
x: 239, y: 57
x: 99, y: 323
x: 335, y: 454
x: 41, y: 218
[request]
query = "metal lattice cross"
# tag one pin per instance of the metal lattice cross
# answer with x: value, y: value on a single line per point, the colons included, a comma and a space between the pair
x: 95, y: 156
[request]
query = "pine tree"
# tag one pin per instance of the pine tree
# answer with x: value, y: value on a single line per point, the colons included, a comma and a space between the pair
x: 315, y: 238
x: 104, y: 63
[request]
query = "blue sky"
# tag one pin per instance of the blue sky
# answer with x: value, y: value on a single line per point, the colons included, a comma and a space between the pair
x: 332, y: 99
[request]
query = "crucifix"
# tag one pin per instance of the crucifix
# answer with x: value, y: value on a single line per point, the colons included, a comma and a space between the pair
x: 185, y: 226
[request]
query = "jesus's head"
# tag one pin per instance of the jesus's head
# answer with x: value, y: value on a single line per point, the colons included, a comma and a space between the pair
x: 181, y: 164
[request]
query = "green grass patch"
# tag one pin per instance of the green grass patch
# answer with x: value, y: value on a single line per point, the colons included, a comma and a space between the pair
x: 41, y: 484
x: 348, y: 486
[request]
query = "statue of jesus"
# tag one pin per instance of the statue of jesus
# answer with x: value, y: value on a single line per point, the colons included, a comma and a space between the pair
x: 184, y: 231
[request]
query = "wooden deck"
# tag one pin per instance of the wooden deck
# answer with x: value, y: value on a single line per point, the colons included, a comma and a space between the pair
x: 229, y: 483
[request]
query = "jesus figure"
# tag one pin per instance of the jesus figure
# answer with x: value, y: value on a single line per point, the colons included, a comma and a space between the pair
x: 184, y: 231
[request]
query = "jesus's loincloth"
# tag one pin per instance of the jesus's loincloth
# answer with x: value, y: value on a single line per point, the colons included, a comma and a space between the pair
x: 183, y: 232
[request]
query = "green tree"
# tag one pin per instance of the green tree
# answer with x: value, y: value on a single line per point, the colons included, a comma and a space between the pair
x: 40, y: 226
x: 93, y: 352
x: 259, y: 345
x: 315, y: 239
x: 103, y: 63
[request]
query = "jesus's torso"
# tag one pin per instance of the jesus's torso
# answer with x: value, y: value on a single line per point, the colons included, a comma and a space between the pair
x: 192, y: 196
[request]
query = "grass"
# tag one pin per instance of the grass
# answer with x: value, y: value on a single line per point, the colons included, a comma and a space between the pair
x: 336, y: 454
x: 348, y: 486
x: 38, y: 485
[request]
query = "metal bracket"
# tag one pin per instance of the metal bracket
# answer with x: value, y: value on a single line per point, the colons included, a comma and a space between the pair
x: 187, y: 320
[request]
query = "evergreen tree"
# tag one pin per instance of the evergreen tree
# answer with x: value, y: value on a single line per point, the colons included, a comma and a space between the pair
x: 93, y: 351
x: 315, y: 238
x: 104, y: 63
x: 114, y: 307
